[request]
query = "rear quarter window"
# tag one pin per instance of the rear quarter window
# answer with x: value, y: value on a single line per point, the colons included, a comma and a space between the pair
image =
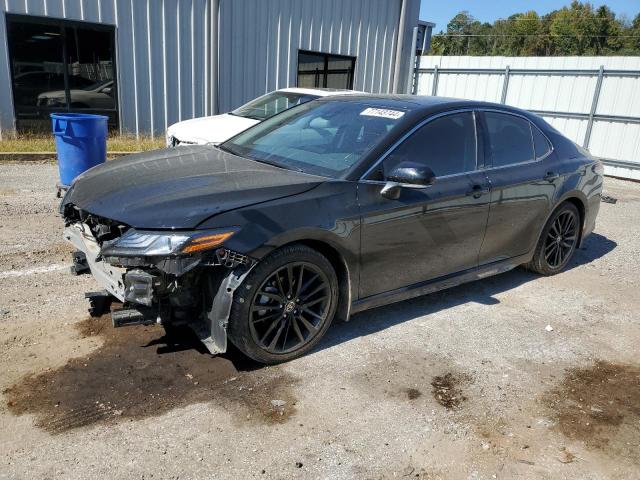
x: 541, y: 145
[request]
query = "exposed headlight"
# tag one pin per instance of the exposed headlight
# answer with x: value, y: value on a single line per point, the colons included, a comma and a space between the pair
x: 51, y: 102
x: 172, y: 141
x: 152, y: 244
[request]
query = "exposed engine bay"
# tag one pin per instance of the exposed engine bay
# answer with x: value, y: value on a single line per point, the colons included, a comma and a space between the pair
x: 156, y: 282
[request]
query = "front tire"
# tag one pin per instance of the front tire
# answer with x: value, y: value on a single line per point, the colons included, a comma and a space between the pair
x: 284, y: 306
x: 558, y: 241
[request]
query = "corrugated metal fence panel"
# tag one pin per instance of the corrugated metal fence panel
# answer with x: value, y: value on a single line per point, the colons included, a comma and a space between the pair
x: 161, y: 56
x: 568, y: 93
x: 264, y: 38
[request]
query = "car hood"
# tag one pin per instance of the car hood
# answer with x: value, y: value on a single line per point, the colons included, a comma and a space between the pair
x: 180, y: 188
x: 214, y: 129
x: 52, y: 94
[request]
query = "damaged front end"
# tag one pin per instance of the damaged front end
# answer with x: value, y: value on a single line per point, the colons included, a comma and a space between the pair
x: 168, y: 277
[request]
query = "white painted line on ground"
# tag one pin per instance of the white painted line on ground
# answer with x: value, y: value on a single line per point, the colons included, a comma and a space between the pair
x: 33, y: 271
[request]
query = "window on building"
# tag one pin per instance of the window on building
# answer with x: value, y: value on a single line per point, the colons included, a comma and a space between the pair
x: 60, y: 66
x: 321, y: 70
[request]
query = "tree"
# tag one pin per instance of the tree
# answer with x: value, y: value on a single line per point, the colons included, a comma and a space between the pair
x: 633, y: 41
x: 578, y: 29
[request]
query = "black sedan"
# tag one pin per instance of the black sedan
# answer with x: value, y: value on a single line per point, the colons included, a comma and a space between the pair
x: 330, y: 208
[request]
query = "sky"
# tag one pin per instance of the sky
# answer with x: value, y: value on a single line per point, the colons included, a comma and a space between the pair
x: 441, y: 11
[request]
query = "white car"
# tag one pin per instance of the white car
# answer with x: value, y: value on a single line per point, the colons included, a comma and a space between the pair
x: 218, y: 128
x: 97, y: 95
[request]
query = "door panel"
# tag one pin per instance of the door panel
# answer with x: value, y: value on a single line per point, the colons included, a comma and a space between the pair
x: 521, y: 190
x: 424, y: 234
x: 520, y: 203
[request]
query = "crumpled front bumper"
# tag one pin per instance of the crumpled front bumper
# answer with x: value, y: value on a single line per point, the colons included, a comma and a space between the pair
x: 146, y: 294
x: 108, y: 276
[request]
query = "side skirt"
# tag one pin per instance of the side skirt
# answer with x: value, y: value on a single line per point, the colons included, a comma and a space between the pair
x: 440, y: 283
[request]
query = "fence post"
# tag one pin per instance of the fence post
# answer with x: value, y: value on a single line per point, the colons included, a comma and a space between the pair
x: 505, y: 85
x: 412, y: 80
x: 434, y: 87
x: 594, y: 107
x: 416, y: 77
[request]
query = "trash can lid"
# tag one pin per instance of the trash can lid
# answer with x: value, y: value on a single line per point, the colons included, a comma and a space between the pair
x: 78, y: 116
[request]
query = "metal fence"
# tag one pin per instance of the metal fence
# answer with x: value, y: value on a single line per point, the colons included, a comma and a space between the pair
x: 598, y: 108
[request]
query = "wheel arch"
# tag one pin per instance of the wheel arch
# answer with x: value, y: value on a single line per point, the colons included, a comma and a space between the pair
x: 341, y: 267
x: 575, y: 198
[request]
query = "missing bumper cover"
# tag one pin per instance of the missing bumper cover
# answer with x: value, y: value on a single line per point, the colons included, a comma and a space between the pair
x: 80, y: 264
x: 212, y: 329
x: 139, y: 286
x: 134, y: 316
x: 99, y: 302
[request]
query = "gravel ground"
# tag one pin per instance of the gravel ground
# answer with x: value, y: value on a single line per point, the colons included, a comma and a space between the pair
x: 466, y: 383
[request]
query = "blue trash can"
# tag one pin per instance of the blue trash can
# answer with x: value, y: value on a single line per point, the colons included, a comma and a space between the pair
x: 81, y: 143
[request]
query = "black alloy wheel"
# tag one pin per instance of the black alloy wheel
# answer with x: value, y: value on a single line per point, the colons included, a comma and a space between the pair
x: 558, y: 241
x: 561, y: 239
x: 284, y: 305
x: 289, y: 308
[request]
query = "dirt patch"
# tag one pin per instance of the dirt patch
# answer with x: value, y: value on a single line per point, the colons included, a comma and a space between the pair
x: 600, y: 406
x: 447, y: 390
x: 409, y: 374
x: 413, y: 393
x: 140, y: 372
x: 58, y: 252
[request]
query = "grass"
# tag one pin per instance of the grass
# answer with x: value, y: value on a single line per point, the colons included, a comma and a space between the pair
x: 39, y: 142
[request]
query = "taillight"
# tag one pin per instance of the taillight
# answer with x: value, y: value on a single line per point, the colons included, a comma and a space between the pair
x: 598, y: 168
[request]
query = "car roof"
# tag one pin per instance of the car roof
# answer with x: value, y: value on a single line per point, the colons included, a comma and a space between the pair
x: 321, y: 92
x: 424, y: 103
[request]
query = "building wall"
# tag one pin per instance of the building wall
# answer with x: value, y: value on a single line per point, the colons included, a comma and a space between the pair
x: 163, y: 63
x: 167, y: 53
x: 616, y: 140
x: 259, y: 42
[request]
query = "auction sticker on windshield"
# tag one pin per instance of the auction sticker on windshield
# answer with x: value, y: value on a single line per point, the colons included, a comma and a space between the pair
x: 382, y: 112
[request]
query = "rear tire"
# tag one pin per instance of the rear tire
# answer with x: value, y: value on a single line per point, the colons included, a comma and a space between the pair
x: 558, y: 241
x: 284, y: 306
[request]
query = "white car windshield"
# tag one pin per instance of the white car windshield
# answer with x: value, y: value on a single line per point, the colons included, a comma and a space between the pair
x: 324, y: 138
x: 271, y: 104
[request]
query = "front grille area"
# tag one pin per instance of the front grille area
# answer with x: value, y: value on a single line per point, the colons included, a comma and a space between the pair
x: 174, y: 142
x: 103, y: 229
x: 230, y: 259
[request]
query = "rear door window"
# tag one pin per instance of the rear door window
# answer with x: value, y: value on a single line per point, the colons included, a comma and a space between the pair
x: 510, y: 140
x: 447, y: 145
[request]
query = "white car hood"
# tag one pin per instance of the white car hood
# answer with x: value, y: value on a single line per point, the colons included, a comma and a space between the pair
x: 215, y: 129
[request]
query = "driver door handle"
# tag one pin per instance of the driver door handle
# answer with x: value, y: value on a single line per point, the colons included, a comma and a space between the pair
x: 477, y: 191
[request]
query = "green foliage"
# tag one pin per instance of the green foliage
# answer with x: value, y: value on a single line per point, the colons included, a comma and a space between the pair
x: 579, y: 29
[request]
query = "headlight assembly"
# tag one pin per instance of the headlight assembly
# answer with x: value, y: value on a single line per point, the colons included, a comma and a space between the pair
x: 136, y: 243
x: 51, y: 102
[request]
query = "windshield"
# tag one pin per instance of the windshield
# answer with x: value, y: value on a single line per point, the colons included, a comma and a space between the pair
x: 324, y: 138
x: 97, y: 85
x: 271, y: 104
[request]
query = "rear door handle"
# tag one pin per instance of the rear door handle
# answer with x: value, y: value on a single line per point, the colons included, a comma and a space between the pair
x: 551, y: 176
x: 477, y: 191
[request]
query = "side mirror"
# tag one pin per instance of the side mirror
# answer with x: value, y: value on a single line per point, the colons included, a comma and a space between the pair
x: 407, y: 176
